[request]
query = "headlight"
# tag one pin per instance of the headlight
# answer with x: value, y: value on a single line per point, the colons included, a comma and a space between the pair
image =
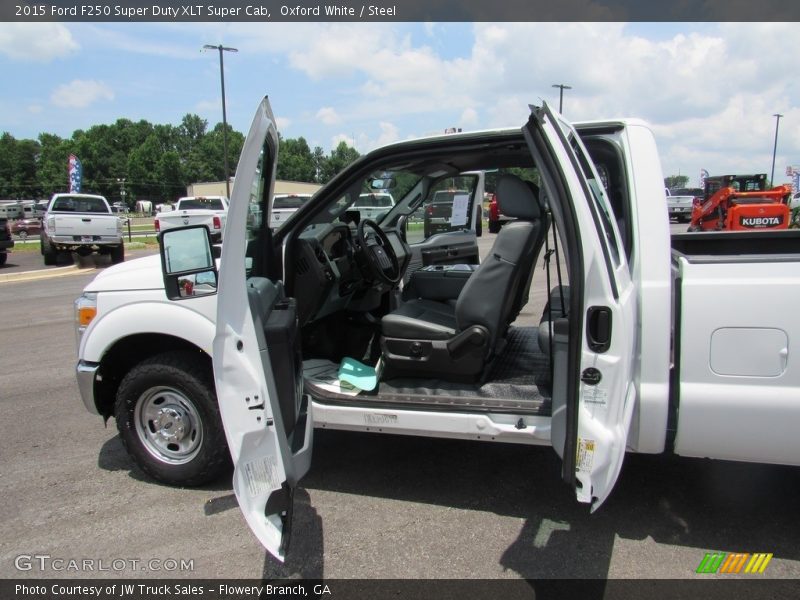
x: 85, y: 311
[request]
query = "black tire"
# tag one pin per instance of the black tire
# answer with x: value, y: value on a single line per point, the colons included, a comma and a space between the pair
x: 117, y: 254
x: 177, y: 385
x: 23, y: 234
x: 494, y: 226
x: 3, y: 258
x: 50, y: 255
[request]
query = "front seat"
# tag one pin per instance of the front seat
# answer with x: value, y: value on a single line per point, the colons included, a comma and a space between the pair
x: 456, y: 343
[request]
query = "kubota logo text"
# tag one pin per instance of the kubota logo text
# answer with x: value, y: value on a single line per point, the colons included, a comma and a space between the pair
x: 734, y: 563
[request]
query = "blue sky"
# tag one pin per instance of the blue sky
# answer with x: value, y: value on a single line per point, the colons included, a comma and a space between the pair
x: 709, y: 90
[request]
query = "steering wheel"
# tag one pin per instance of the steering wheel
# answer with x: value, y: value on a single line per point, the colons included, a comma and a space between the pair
x: 378, y: 252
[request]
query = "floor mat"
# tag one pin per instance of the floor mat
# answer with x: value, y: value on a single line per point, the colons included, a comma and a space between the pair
x: 519, y: 381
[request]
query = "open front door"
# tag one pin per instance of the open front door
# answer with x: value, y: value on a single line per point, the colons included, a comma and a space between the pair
x: 257, y: 359
x: 593, y: 390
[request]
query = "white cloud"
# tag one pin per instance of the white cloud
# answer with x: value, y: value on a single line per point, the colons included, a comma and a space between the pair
x: 80, y: 93
x: 469, y: 117
x: 388, y: 133
x: 283, y: 123
x: 328, y: 115
x: 709, y: 90
x: 342, y: 137
x: 39, y: 42
x: 35, y: 109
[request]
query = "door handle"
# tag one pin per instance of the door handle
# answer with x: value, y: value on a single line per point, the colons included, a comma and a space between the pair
x: 598, y: 328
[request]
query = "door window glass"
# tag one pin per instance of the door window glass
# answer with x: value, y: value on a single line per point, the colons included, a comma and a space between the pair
x: 447, y: 207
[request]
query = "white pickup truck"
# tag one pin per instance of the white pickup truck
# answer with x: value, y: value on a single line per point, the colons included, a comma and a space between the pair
x: 208, y: 211
x: 648, y: 344
x: 81, y: 223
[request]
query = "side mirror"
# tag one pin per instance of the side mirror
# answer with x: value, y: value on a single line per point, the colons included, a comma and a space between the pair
x: 187, y: 262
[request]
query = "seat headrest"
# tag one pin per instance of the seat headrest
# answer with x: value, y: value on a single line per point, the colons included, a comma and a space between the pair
x: 517, y: 198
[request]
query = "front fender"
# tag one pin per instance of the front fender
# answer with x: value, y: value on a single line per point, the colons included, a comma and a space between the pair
x: 191, y: 320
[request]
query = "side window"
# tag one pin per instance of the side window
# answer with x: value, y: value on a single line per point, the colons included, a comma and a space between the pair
x: 602, y: 206
x: 256, y: 209
x: 447, y: 207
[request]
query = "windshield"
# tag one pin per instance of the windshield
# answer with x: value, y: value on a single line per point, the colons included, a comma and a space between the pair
x: 686, y: 192
x: 291, y: 201
x: 81, y: 204
x: 200, y: 203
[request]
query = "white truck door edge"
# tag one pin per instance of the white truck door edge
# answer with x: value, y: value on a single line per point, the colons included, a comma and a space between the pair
x: 267, y: 422
x: 598, y: 390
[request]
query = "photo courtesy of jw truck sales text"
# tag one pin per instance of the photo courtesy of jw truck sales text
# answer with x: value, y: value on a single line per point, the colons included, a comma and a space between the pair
x: 337, y: 321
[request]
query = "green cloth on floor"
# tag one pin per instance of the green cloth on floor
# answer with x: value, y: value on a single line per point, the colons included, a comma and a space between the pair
x: 358, y: 374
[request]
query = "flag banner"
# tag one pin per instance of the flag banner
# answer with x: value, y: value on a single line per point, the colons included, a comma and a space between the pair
x: 75, y: 174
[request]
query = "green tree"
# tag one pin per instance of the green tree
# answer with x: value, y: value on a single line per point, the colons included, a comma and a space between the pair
x: 340, y: 157
x: 295, y: 161
x: 676, y: 181
x: 52, y: 166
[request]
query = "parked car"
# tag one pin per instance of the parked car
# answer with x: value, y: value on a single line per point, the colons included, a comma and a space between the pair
x: 284, y: 205
x: 81, y: 223
x: 373, y: 205
x: 209, y: 211
x: 680, y: 202
x: 627, y: 355
x: 25, y: 227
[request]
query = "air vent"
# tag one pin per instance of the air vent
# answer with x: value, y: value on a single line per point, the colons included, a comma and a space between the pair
x: 302, y: 266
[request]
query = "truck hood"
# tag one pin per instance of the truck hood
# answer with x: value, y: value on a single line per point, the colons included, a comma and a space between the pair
x: 138, y: 274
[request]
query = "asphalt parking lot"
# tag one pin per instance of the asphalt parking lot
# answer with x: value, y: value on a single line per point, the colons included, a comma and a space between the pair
x: 371, y: 507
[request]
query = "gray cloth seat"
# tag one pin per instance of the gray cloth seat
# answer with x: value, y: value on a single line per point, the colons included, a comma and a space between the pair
x: 424, y: 336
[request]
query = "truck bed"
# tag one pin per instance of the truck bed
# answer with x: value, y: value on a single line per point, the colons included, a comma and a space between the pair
x: 735, y: 391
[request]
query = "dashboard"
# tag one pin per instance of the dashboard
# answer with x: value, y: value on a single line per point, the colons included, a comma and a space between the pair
x: 327, y: 275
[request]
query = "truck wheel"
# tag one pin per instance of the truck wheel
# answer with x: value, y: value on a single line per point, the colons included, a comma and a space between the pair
x: 50, y: 255
x: 117, y: 254
x: 23, y: 235
x: 3, y: 258
x: 494, y: 226
x: 168, y: 418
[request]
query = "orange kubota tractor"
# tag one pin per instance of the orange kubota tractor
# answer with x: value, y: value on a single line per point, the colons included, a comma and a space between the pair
x: 741, y: 203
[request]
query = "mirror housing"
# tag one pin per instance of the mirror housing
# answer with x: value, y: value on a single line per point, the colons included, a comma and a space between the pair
x: 187, y: 262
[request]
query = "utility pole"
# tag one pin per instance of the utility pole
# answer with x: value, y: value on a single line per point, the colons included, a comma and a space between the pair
x: 775, y: 148
x: 561, y: 87
x: 222, y: 49
x: 122, y: 193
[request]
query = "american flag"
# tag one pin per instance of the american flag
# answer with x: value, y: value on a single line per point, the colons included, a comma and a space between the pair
x: 75, y: 174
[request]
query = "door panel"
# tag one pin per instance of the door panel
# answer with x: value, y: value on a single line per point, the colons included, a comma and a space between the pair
x: 593, y: 364
x: 256, y: 354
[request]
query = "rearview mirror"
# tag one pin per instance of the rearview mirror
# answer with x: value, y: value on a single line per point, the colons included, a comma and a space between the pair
x: 187, y: 262
x: 382, y: 184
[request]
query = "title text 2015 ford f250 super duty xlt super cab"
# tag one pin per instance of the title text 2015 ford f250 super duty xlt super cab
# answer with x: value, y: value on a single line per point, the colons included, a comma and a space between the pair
x: 605, y: 371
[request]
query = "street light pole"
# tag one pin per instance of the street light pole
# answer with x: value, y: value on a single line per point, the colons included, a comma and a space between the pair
x: 775, y: 148
x: 561, y: 87
x: 222, y: 49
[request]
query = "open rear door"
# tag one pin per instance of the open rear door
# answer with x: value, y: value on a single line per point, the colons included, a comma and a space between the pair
x: 257, y: 358
x: 593, y: 391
